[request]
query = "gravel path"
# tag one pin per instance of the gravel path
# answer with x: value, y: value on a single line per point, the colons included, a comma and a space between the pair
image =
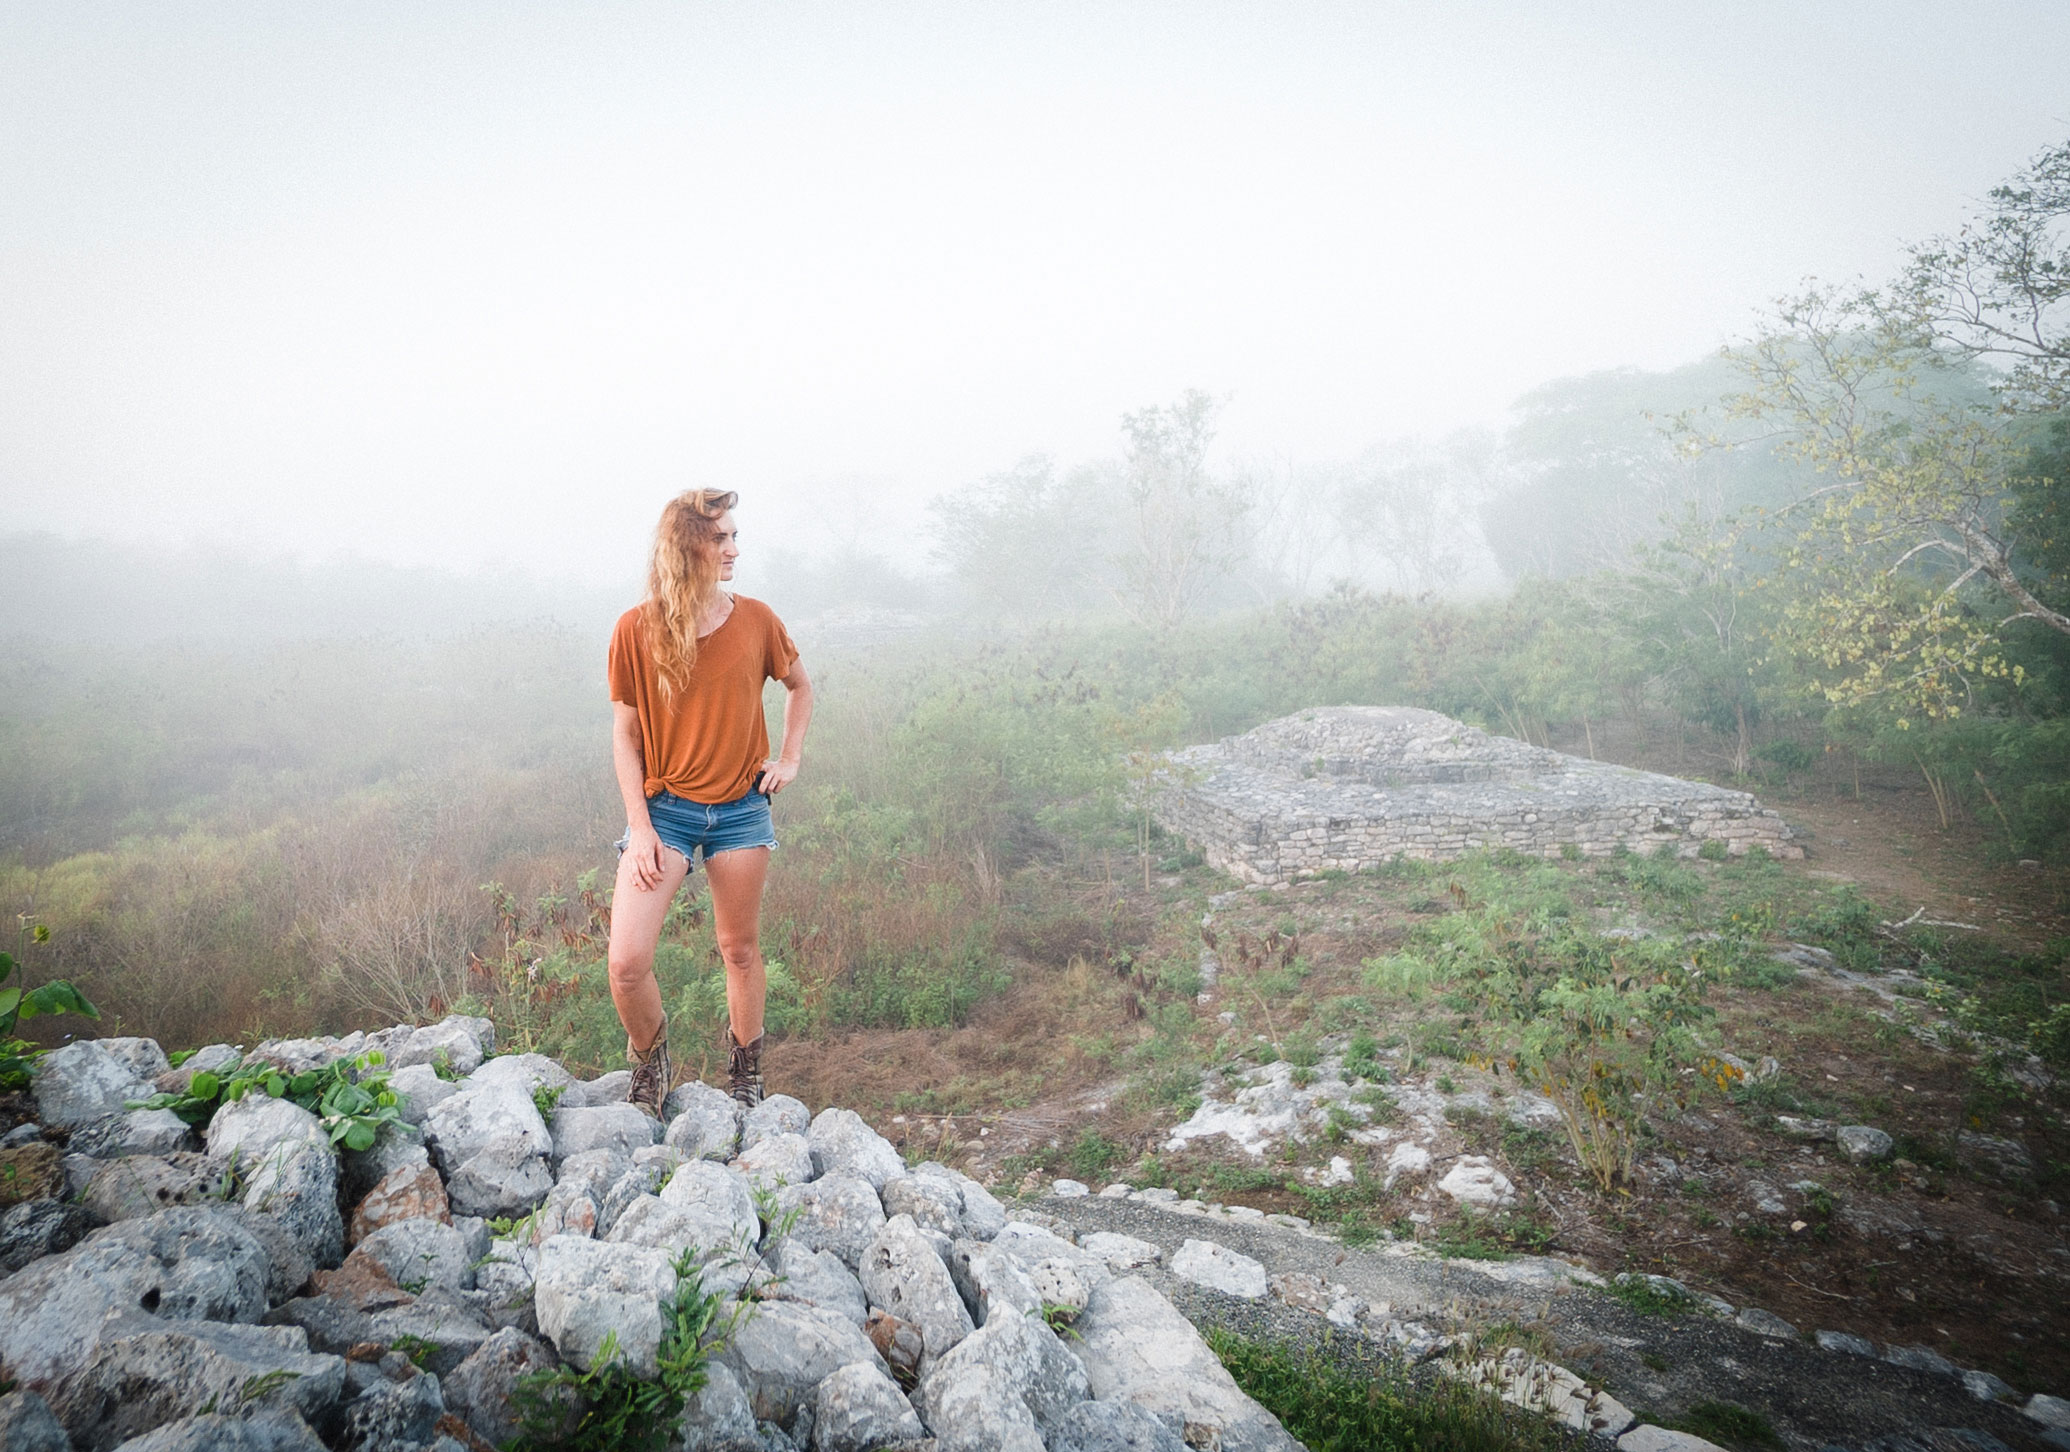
x: 1659, y: 1366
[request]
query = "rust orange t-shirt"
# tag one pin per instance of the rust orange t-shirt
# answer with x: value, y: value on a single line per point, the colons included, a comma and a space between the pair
x: 704, y: 743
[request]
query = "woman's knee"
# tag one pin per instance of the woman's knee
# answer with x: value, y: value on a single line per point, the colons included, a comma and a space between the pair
x: 629, y: 969
x: 740, y: 950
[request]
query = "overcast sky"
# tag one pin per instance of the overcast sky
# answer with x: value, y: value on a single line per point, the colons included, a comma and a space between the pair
x: 484, y: 283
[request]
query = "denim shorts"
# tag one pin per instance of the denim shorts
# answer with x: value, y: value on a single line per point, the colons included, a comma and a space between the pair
x: 688, y: 826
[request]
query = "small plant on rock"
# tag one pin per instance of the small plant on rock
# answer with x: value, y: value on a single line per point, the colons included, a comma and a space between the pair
x: 351, y: 1096
x: 17, y: 1003
x: 609, y: 1408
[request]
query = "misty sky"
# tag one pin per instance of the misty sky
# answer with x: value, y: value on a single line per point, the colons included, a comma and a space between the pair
x: 483, y: 283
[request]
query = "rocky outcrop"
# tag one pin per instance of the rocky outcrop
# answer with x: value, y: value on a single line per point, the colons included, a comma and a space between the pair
x: 1347, y: 788
x: 867, y: 1304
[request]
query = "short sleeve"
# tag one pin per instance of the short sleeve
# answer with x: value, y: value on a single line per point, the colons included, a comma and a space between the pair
x: 780, y: 654
x: 622, y: 667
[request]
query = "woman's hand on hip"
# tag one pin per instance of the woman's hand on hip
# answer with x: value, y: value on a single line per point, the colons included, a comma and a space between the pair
x: 776, y: 775
x: 644, y: 849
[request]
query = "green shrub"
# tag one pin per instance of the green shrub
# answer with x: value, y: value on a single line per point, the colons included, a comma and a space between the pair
x: 351, y: 1095
x: 1334, y: 1408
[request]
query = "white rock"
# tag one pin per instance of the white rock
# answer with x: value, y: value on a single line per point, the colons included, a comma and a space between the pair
x: 420, y: 1091
x: 457, y: 1042
x: 1472, y: 1180
x: 2047, y: 1410
x: 246, y: 1128
x: 586, y: 1289
x: 776, y: 1160
x: 1219, y: 1268
x: 82, y: 1082
x: 1863, y: 1144
x: 717, y: 1193
x: 784, y: 1350
x: 526, y: 1072
x: 621, y: 1127
x: 903, y: 1276
x: 857, y: 1408
x: 840, y: 1140
x: 1123, y: 1253
x: 837, y: 1212
x: 935, y: 1202
x: 778, y: 1114
x: 491, y: 1145
x: 1070, y: 1189
x: 703, y: 1124
x: 1649, y: 1438
x: 1406, y: 1161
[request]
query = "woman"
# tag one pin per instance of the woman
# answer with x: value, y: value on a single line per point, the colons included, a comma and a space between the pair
x: 692, y: 757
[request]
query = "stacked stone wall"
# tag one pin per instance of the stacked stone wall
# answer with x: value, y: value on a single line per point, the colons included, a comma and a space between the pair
x: 1350, y: 788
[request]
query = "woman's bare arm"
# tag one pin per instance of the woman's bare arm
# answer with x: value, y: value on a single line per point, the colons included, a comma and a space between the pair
x: 797, y: 715
x: 629, y: 761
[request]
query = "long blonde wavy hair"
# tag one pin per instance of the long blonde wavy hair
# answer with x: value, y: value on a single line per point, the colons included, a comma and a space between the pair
x: 683, y: 579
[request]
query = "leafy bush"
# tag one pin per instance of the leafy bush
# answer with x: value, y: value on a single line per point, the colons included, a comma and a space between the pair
x: 351, y: 1096
x: 17, y: 1003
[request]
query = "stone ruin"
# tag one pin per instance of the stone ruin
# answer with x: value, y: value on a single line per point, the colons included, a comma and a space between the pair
x: 253, y: 1287
x: 1347, y: 788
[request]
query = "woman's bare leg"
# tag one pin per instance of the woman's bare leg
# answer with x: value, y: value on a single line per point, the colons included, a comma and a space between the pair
x: 737, y: 879
x: 636, y: 918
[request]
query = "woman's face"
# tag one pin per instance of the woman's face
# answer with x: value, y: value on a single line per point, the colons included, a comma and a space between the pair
x: 727, y: 543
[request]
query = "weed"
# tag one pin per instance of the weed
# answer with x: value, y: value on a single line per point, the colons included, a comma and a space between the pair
x: 546, y: 1098
x: 1649, y: 1297
x: 415, y: 1347
x: 608, y: 1407
x: 1059, y: 1318
x: 1093, y: 1155
x: 1335, y: 1409
x: 351, y: 1096
x: 1730, y: 1424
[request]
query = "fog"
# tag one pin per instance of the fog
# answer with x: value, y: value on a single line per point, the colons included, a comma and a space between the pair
x: 478, y: 285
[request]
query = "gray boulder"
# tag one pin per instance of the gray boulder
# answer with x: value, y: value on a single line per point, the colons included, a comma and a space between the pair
x: 783, y: 1350
x: 726, y: 1261
x: 585, y: 1290
x: 146, y: 1184
x: 841, y: 1140
x: 1112, y: 1427
x: 458, y: 1042
x: 244, y: 1129
x: 776, y: 1160
x: 82, y: 1082
x: 491, y: 1145
x: 974, y: 1409
x: 419, y: 1090
x: 391, y: 1415
x: 137, y: 1132
x: 714, y: 1191
x: 703, y: 1124
x: 186, y: 1263
x: 264, y: 1432
x: 933, y: 1202
x: 1136, y: 1347
x: 859, y: 1409
x: 1206, y: 1263
x: 299, y: 1056
x: 478, y: 1390
x: 36, y: 1228
x: 143, y: 1056
x: 527, y: 1073
x: 154, y: 1372
x: 816, y: 1278
x: 288, y: 1266
x: 837, y: 1212
x: 983, y: 1216
x: 902, y: 1276
x: 604, y: 1089
x: 295, y: 1183
x: 778, y: 1114
x: 719, y: 1419
x: 420, y: 1253
x: 1863, y: 1144
x: 991, y: 1280
x: 1022, y: 1356
x: 620, y: 1127
x: 449, y: 1326
x: 640, y: 1179
x: 27, y: 1424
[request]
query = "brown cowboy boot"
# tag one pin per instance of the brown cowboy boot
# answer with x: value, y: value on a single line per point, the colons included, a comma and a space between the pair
x: 744, y: 1067
x: 653, y: 1073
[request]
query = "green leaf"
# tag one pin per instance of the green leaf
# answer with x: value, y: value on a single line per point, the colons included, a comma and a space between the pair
x: 276, y: 1085
x: 204, y: 1085
x: 359, y: 1136
x: 57, y: 996
x: 9, y: 997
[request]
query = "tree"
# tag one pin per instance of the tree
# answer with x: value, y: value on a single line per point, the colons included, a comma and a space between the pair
x: 1184, y: 529
x: 1027, y: 542
x: 1928, y: 533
